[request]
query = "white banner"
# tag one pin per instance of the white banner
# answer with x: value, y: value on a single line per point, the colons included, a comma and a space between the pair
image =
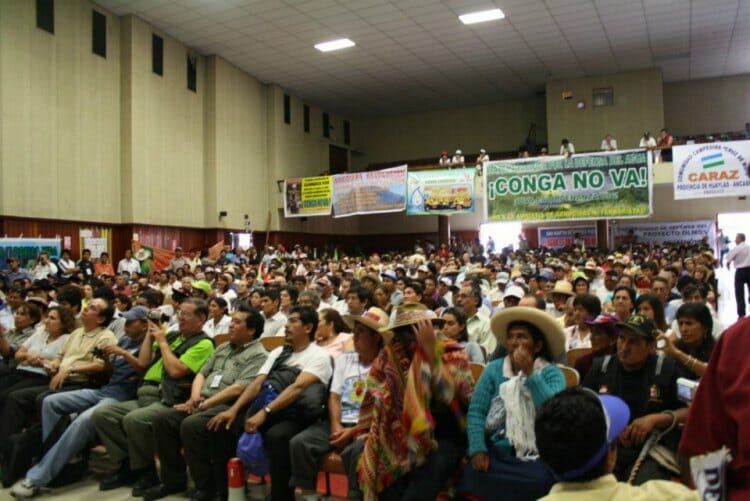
x: 711, y: 170
x: 683, y: 231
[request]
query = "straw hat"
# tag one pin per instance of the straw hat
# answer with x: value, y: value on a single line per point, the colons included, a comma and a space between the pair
x: 408, y: 314
x: 563, y: 287
x: 549, y: 327
x: 374, y: 318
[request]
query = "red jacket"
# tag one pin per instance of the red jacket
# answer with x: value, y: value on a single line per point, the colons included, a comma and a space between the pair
x: 720, y: 412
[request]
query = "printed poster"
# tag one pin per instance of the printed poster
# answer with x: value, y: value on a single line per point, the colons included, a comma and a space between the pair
x: 564, y: 236
x: 309, y: 196
x: 449, y: 191
x: 371, y: 192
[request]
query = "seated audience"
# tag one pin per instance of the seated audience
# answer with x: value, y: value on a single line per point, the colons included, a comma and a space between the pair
x: 651, y: 307
x: 603, y: 341
x: 123, y: 365
x: 454, y: 328
x: 648, y: 384
x: 576, y: 434
x: 218, y: 318
x: 693, y: 349
x: 74, y: 367
x: 347, y: 392
x: 26, y: 318
x: 586, y: 307
x: 412, y: 433
x: 330, y: 334
x: 222, y: 379
x: 502, y: 448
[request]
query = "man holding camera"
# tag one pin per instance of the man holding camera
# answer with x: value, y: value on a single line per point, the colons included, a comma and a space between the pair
x: 43, y: 267
x: 173, y: 359
x: 122, y: 361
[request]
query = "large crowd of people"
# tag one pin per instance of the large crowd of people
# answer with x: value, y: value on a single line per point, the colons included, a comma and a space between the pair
x: 453, y: 369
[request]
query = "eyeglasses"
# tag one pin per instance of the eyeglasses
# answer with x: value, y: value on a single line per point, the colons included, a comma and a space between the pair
x: 184, y: 314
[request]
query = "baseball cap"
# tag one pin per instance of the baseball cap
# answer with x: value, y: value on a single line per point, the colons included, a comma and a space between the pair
x: 514, y: 291
x: 640, y: 325
x: 136, y: 313
x: 202, y: 286
x: 616, y: 416
x: 502, y: 278
x: 389, y: 274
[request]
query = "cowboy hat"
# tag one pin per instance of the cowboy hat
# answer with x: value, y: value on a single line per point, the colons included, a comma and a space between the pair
x: 563, y: 287
x: 374, y: 318
x: 408, y: 314
x: 550, y: 329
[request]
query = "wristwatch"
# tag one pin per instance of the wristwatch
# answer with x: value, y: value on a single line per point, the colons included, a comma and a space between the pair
x: 267, y: 408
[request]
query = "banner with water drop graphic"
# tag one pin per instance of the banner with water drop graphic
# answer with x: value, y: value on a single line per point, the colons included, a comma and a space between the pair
x: 448, y: 191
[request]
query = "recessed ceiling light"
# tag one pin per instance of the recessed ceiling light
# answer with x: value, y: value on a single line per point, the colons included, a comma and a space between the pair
x: 341, y: 43
x: 482, y: 16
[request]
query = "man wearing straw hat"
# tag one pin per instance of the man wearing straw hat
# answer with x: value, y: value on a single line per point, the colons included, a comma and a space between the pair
x: 414, y: 433
x: 347, y: 391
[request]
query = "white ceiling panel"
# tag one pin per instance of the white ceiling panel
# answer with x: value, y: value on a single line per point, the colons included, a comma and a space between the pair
x: 416, y: 54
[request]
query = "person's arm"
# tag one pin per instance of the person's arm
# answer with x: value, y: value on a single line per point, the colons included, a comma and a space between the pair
x: 134, y: 361
x: 696, y: 366
x: 284, y: 400
x: 226, y: 395
x: 545, y: 383
x: 4, y: 344
x: 172, y: 365
x: 227, y: 417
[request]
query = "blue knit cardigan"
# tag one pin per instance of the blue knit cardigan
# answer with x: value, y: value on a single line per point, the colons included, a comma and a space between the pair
x: 542, y: 385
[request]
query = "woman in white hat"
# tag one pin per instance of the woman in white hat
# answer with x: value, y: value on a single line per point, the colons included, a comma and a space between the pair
x: 501, y: 416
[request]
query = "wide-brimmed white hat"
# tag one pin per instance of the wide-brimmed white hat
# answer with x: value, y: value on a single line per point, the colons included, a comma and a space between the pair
x: 374, y: 318
x: 549, y: 327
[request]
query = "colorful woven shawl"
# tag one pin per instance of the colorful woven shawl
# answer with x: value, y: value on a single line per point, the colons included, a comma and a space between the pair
x: 395, y: 416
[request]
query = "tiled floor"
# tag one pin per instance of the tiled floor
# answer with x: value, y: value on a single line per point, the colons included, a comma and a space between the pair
x: 87, y: 490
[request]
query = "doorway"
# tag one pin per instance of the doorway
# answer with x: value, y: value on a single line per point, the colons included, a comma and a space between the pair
x: 338, y: 159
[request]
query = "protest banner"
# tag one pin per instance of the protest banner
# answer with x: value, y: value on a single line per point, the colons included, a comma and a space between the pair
x: 680, y: 231
x: 369, y: 192
x: 309, y: 196
x: 587, y: 186
x: 449, y: 191
x: 711, y: 170
x: 27, y: 249
x: 562, y: 236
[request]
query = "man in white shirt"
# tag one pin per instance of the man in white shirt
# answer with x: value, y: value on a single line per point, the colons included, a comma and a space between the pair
x: 274, y: 319
x: 43, y: 267
x: 315, y: 367
x: 469, y: 298
x: 566, y: 148
x: 458, y: 159
x: 608, y: 143
x: 128, y: 264
x: 740, y: 256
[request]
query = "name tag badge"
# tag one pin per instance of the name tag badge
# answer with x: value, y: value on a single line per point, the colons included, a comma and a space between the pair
x: 215, y: 381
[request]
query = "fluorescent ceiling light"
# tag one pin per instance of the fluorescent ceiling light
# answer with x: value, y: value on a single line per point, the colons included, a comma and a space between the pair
x: 341, y: 43
x: 482, y: 16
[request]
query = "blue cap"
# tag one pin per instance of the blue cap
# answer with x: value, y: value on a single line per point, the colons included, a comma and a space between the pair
x: 616, y: 415
x: 136, y: 313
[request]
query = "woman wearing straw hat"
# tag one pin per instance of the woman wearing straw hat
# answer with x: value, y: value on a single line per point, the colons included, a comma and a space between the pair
x: 414, y: 436
x: 500, y: 424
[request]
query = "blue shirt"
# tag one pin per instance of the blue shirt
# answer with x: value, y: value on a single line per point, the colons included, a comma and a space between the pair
x: 123, y: 383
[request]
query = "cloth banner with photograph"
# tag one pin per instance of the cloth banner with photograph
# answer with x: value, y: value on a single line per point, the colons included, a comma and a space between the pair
x: 681, y: 231
x: 711, y: 170
x: 370, y: 192
x: 563, y: 236
x: 585, y: 186
x: 449, y: 191
x: 309, y: 196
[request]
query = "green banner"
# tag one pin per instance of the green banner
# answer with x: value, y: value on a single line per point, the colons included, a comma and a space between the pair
x: 586, y: 186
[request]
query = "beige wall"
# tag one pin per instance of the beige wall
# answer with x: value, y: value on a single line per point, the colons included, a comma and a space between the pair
x: 707, y: 106
x: 638, y: 106
x: 496, y: 127
x: 236, y: 171
x: 165, y: 125
x: 60, y: 127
